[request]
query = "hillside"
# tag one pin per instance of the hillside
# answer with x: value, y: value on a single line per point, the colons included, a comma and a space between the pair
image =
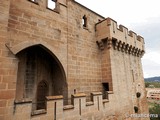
x: 152, y: 79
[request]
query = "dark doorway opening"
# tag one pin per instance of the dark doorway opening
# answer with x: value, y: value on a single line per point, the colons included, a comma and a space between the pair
x: 42, y: 92
x: 105, y: 89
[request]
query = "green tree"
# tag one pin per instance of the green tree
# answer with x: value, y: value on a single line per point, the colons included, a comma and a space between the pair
x: 155, y: 109
x: 147, y: 84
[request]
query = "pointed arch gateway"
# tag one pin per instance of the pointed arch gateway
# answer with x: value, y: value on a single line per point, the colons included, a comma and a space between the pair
x: 40, y: 74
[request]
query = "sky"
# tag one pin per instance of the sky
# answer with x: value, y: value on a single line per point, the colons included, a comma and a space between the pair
x: 140, y: 16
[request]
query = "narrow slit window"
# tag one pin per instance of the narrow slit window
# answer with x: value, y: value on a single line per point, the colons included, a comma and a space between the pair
x: 51, y: 4
x: 84, y: 21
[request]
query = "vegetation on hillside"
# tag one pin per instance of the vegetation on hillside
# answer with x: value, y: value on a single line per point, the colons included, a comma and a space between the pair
x: 154, y: 108
x: 152, y: 84
x: 152, y: 79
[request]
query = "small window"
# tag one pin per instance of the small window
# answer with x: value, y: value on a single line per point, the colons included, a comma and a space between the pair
x: 84, y: 21
x: 51, y: 4
x: 105, y: 89
x: 135, y: 109
x: 106, y: 86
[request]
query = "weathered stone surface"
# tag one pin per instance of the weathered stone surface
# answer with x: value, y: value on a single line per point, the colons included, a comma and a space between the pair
x: 52, y: 49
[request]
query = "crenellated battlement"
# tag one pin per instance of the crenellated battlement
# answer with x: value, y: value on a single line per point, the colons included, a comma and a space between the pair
x: 79, y: 108
x: 48, y: 56
x: 120, y: 35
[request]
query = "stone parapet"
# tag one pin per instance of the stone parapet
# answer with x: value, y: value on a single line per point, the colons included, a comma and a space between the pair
x: 79, y: 109
x: 119, y: 36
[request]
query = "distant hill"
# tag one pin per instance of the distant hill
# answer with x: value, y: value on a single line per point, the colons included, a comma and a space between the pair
x: 152, y: 79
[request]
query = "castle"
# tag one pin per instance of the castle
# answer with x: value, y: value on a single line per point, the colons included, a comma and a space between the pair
x: 63, y: 61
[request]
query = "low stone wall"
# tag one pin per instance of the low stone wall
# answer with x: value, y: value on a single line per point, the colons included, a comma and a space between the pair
x: 96, y: 109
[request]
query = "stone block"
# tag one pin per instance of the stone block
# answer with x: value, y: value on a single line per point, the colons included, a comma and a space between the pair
x: 7, y: 94
x: 26, y: 24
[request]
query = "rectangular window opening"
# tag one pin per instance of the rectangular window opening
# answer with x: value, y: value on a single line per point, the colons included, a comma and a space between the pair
x: 51, y: 4
x: 84, y: 21
x: 106, y: 86
x: 105, y: 89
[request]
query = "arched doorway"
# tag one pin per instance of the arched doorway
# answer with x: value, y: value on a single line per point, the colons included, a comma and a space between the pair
x: 40, y: 73
x: 42, y: 92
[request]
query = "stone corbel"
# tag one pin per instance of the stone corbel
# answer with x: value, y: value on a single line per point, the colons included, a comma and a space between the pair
x: 130, y: 49
x: 136, y: 51
x: 116, y: 45
x: 127, y: 48
x: 123, y: 47
x: 133, y: 49
x: 100, y: 44
x: 109, y: 43
x: 119, y: 46
x: 142, y: 53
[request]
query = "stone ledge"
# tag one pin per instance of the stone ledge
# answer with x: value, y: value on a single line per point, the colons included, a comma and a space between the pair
x: 22, y: 101
x: 38, y: 112
x: 79, y: 95
x: 54, y: 10
x: 105, y: 100
x: 54, y: 97
x: 89, y: 103
x: 67, y: 107
x: 110, y: 92
x: 96, y: 93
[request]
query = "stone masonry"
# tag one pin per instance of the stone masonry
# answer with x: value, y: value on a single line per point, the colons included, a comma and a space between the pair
x: 66, y: 62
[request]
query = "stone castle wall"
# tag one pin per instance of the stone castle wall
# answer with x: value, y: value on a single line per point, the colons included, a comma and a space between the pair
x: 80, y: 109
x: 60, y: 31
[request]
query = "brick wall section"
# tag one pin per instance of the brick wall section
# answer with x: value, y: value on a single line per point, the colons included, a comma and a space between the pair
x: 84, y: 58
x: 84, y: 66
x: 19, y: 24
x: 122, y: 50
x: 24, y: 24
x: 35, y: 23
x: 106, y: 68
x: 127, y: 85
x: 7, y: 65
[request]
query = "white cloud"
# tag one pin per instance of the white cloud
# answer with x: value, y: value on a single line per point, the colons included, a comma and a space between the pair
x: 125, y: 11
x: 151, y: 64
x: 152, y: 56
